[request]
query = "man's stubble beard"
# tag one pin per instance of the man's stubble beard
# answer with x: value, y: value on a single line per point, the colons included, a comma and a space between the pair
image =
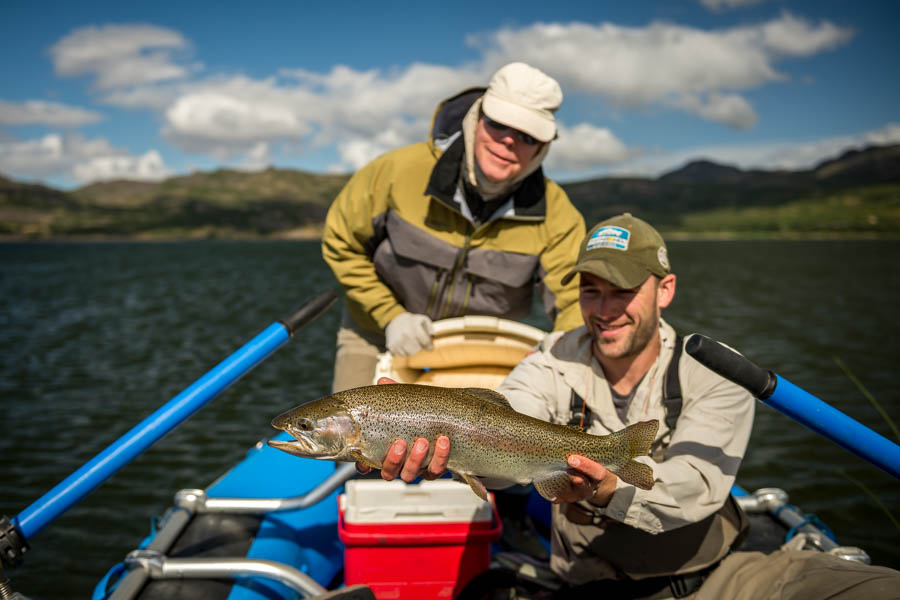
x: 637, y: 341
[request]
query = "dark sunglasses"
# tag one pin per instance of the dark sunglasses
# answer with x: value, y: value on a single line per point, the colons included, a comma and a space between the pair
x: 501, y: 128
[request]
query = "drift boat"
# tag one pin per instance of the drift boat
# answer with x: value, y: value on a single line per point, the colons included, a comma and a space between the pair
x: 278, y: 526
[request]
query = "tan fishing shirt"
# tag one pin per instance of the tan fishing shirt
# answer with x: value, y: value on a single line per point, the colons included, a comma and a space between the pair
x: 676, y: 527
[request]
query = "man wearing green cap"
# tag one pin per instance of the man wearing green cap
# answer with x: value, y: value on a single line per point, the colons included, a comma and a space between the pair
x: 676, y: 540
x: 606, y: 375
x: 612, y: 372
x: 625, y: 365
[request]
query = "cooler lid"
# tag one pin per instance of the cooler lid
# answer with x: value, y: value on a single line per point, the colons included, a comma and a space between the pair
x: 440, y: 501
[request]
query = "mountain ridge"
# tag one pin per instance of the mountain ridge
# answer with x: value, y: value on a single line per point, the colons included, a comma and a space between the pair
x: 275, y: 202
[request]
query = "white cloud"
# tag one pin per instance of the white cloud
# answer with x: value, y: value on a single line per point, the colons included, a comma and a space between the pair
x: 223, y: 122
x: 583, y: 147
x: 258, y: 157
x: 721, y: 5
x: 363, y: 113
x: 366, y: 112
x: 362, y: 101
x: 120, y: 55
x: 663, y: 62
x: 889, y: 134
x: 156, y: 97
x: 39, y: 112
x: 791, y: 155
x: 75, y: 156
x: 147, y: 167
x: 792, y: 36
x: 357, y: 151
x: 730, y: 109
x: 49, y: 154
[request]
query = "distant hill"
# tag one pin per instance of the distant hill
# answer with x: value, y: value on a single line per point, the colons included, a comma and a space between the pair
x: 704, y: 186
x: 221, y: 203
x: 879, y: 164
x: 855, y: 193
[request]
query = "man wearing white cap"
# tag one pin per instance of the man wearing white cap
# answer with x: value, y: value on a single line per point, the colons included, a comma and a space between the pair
x: 462, y: 224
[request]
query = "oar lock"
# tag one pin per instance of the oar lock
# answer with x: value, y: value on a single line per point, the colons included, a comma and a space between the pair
x: 12, y: 544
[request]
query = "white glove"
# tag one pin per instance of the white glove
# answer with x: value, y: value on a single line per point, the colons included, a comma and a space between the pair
x: 408, y: 333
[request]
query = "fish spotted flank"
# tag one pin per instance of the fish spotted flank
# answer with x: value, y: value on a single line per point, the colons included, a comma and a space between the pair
x: 491, y: 445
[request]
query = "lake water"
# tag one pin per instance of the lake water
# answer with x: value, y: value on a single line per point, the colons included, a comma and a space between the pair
x: 95, y: 337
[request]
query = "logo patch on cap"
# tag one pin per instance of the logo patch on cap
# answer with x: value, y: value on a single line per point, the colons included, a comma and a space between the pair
x: 609, y: 237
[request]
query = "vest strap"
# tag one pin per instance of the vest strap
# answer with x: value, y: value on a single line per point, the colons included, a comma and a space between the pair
x: 672, y: 399
x: 580, y: 411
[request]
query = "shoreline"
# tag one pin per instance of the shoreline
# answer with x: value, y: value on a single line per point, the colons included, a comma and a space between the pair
x: 307, y: 236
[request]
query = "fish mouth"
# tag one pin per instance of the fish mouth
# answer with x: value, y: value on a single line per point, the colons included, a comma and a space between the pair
x: 301, y: 446
x: 291, y: 447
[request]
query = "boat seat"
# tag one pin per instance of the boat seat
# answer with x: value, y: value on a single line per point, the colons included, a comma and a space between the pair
x: 470, y: 351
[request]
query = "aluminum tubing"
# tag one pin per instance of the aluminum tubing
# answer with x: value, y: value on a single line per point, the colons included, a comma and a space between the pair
x: 217, y: 568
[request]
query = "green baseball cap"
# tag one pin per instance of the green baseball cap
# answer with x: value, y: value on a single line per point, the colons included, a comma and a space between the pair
x: 623, y: 250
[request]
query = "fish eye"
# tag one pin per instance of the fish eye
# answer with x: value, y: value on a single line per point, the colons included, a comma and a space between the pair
x: 305, y: 424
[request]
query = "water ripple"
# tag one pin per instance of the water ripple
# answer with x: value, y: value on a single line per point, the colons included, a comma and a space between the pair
x: 95, y: 337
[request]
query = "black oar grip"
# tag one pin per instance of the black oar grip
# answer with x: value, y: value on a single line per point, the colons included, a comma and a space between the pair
x: 310, y: 310
x: 731, y: 365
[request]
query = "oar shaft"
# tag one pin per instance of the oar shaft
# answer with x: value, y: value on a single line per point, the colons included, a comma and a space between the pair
x: 105, y: 464
x: 831, y: 423
x: 796, y: 403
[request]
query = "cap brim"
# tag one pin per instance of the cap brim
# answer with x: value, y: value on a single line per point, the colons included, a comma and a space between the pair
x: 518, y: 117
x: 621, y: 273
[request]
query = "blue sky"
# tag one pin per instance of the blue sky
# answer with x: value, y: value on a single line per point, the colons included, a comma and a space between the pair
x: 101, y: 90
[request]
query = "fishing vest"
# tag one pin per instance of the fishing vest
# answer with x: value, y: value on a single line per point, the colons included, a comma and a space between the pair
x: 609, y: 549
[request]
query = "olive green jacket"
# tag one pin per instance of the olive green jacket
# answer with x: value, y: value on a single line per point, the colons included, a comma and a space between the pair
x: 396, y: 239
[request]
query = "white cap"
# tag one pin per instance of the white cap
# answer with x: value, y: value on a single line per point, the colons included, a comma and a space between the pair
x: 523, y: 98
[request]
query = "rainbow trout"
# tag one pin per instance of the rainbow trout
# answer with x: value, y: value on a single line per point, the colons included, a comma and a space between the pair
x: 491, y: 445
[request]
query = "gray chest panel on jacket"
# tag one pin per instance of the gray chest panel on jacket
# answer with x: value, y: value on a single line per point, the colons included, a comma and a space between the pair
x: 433, y: 277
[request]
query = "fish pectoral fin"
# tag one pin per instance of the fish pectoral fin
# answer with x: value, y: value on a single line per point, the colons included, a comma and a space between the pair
x: 552, y: 485
x: 637, y: 474
x: 496, y: 483
x: 489, y: 396
x: 365, y: 460
x: 476, y: 485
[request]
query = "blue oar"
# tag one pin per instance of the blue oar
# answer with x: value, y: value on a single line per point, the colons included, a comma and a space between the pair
x: 798, y: 404
x: 118, y: 454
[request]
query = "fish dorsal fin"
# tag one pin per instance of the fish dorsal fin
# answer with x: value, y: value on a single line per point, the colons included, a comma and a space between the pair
x: 489, y: 396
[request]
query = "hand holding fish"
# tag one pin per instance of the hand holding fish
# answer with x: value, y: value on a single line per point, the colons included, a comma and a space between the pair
x: 413, y: 465
x: 393, y: 463
x: 590, y: 481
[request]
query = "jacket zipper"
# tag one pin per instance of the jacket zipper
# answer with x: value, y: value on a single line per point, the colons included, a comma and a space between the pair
x: 459, y: 261
x: 434, y: 291
x: 470, y: 281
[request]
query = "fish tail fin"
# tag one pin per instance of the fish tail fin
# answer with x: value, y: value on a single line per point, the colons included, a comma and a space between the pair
x: 638, y: 438
x: 637, y: 474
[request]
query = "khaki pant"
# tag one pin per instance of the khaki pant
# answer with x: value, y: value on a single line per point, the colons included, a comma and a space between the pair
x: 798, y: 575
x: 782, y: 575
x: 356, y: 357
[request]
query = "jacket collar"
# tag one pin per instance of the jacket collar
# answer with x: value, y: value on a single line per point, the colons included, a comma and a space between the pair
x: 529, y: 200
